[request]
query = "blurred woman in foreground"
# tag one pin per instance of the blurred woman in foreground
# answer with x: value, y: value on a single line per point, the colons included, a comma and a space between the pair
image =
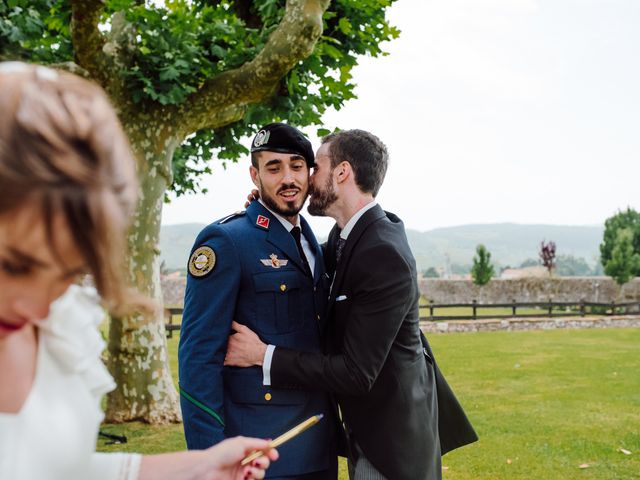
x: 67, y: 190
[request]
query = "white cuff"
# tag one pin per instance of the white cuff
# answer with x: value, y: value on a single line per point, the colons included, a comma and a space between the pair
x: 266, y: 365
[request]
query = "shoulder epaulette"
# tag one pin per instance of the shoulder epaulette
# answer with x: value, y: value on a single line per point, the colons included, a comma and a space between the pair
x: 239, y: 213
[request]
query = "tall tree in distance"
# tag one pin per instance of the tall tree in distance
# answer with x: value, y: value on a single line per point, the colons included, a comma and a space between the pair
x: 624, y: 262
x: 548, y: 255
x: 430, y: 272
x: 189, y: 78
x: 570, y: 266
x: 482, y: 270
x: 628, y: 220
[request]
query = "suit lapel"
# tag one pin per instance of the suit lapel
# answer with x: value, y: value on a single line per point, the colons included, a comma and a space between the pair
x: 370, y: 216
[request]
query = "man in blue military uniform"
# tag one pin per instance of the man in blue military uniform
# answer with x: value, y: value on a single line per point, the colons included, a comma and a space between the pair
x: 264, y: 269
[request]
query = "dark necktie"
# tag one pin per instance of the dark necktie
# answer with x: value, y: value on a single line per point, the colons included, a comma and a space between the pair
x: 339, y: 248
x: 295, y: 232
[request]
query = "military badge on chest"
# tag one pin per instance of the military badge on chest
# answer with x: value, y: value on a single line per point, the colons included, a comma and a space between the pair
x: 274, y: 262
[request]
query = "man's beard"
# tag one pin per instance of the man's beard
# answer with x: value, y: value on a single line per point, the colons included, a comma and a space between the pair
x: 321, y: 200
x: 271, y: 202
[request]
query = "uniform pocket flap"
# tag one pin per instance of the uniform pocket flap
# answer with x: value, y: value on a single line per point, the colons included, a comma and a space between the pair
x: 276, y: 281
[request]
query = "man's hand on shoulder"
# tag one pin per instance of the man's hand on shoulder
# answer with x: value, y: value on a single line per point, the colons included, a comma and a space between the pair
x: 245, y: 349
x: 254, y: 195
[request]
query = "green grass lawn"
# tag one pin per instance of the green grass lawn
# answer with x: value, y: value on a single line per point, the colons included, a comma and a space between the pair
x: 544, y: 403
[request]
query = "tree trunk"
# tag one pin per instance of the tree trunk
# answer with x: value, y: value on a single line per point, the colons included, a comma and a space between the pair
x: 137, y: 344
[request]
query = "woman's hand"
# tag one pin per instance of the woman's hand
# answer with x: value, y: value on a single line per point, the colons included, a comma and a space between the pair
x: 227, y: 456
x: 220, y: 462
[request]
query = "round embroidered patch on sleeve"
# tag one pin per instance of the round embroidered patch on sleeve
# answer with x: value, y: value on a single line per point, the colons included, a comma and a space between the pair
x: 202, y: 261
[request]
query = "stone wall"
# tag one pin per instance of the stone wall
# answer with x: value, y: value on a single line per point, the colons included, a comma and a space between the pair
x: 556, y: 289
x: 564, y: 289
x: 173, y: 290
x: 517, y: 324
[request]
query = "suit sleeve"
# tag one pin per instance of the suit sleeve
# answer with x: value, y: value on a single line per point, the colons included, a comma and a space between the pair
x: 379, y: 302
x: 206, y: 323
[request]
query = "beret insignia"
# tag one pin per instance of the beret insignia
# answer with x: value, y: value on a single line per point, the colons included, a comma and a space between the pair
x: 262, y: 137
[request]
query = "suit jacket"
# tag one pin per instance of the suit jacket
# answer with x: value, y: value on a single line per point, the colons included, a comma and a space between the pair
x: 259, y: 280
x: 375, y: 360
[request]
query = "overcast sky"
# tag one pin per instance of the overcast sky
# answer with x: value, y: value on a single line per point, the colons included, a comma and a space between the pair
x: 523, y: 111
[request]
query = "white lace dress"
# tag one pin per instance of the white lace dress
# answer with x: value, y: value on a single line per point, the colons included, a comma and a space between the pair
x: 53, y: 436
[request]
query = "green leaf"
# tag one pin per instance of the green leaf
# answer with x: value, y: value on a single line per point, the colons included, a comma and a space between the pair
x: 331, y: 40
x: 218, y: 51
x: 332, y: 51
x: 345, y: 26
x: 169, y: 73
x: 293, y: 82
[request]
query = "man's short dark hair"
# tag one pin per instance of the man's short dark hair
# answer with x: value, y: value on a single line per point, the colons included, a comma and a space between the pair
x: 365, y: 152
x: 254, y: 159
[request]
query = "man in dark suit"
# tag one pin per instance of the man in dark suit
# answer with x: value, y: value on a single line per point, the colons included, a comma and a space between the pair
x: 264, y: 268
x: 376, y: 361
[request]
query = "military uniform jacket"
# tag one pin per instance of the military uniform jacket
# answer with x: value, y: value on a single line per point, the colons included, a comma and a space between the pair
x: 375, y: 361
x: 257, y: 279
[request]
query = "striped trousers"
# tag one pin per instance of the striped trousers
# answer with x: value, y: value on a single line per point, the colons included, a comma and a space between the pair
x: 362, y: 469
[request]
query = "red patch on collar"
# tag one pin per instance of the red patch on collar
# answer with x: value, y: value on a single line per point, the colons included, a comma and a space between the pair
x: 262, y: 221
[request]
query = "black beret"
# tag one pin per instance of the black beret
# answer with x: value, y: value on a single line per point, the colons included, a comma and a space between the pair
x: 283, y: 138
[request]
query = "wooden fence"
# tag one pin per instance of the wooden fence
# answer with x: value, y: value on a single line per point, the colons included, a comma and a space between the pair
x: 546, y: 309
x: 169, y: 313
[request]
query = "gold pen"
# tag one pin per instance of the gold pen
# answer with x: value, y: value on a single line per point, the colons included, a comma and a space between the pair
x: 298, y: 429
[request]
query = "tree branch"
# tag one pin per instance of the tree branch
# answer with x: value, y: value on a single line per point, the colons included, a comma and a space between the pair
x: 231, y: 114
x: 87, y: 40
x: 292, y: 41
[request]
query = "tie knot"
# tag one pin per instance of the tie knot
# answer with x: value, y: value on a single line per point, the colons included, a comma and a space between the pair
x: 295, y: 231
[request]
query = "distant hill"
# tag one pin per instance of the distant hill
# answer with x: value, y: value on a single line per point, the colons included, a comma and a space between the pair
x: 509, y: 243
x: 176, y: 242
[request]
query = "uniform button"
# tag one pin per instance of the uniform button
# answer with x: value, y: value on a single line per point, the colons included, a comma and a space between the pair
x: 283, y: 288
x: 318, y: 316
x: 314, y: 289
x: 267, y: 396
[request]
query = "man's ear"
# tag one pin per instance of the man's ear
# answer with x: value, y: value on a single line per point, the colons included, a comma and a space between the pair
x: 342, y: 171
x: 253, y: 171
